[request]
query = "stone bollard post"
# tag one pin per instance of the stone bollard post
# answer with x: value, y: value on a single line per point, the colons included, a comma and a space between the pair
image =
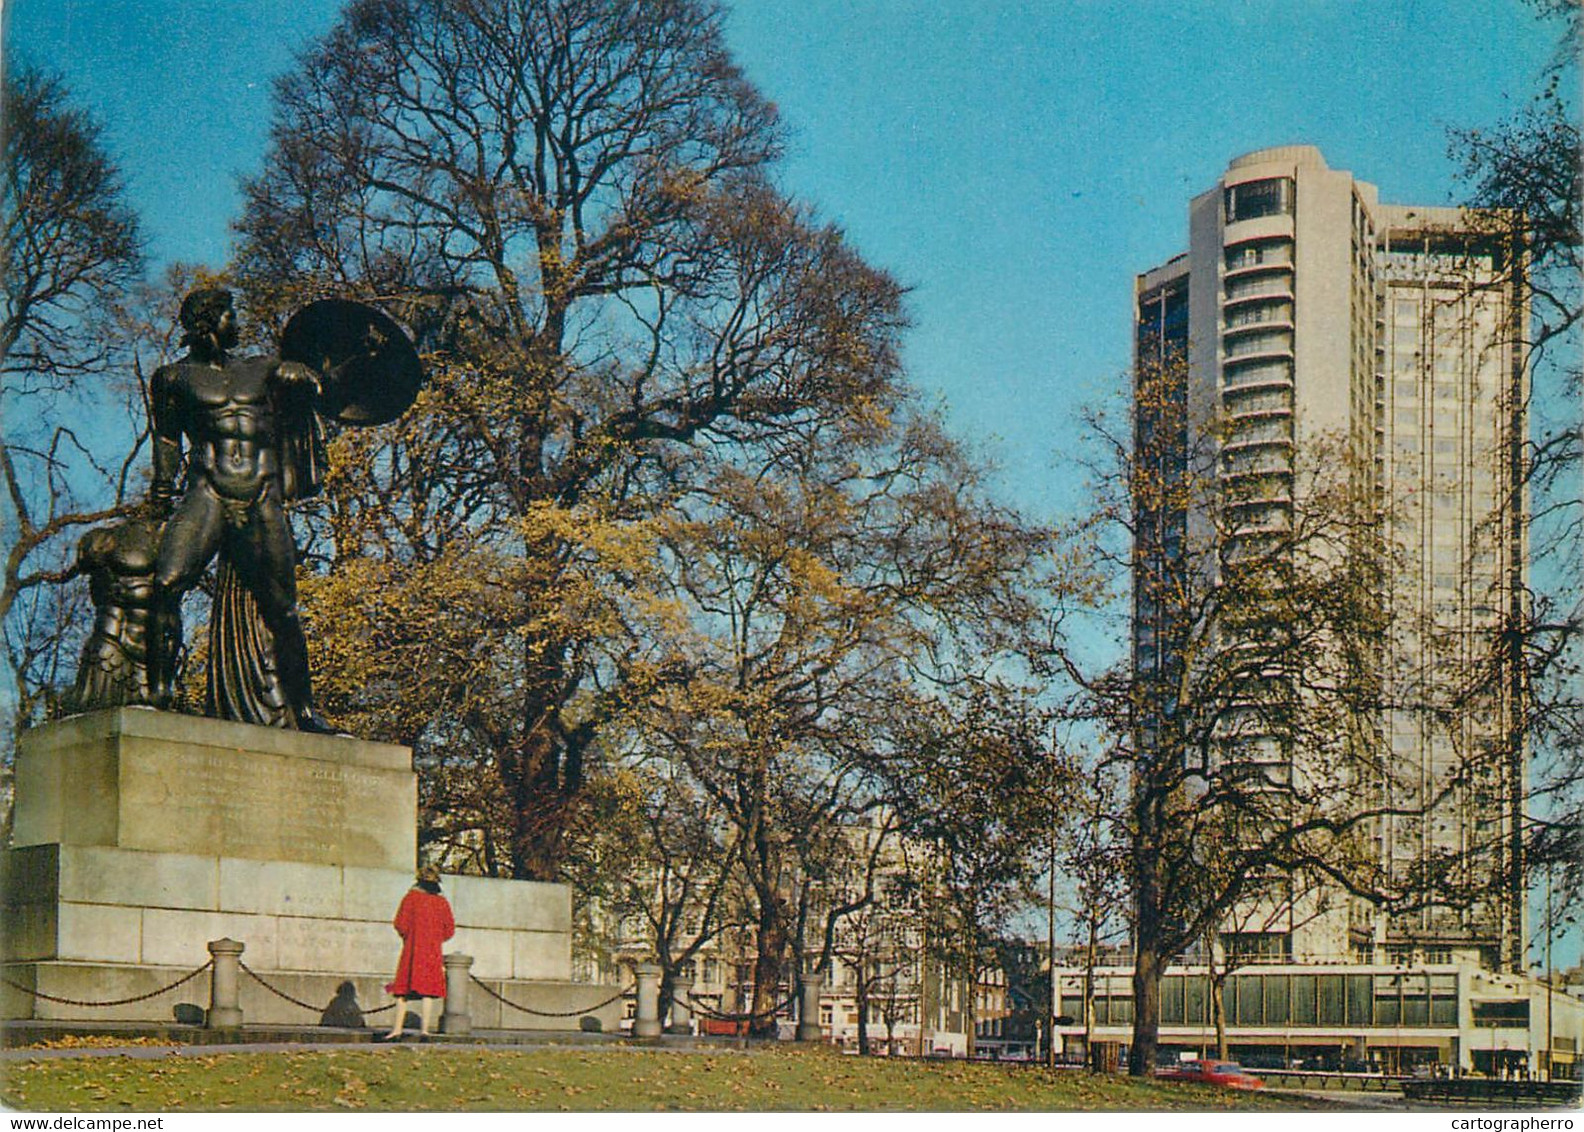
x: 458, y: 973
x: 681, y: 1016
x: 224, y: 1011
x: 647, y: 1024
x: 808, y: 1029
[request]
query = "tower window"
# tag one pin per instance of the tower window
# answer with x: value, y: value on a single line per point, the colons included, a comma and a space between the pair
x: 1253, y: 199
x: 1258, y: 253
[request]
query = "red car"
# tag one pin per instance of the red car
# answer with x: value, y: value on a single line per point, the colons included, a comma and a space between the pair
x: 1228, y: 1074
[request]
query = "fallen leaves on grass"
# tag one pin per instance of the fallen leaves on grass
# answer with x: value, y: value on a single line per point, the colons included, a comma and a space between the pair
x: 455, y: 1079
x: 98, y: 1041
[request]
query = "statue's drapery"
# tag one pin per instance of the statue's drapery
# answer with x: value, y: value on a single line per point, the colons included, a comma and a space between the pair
x: 244, y: 679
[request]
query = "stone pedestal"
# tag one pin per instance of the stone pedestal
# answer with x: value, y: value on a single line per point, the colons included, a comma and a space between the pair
x: 156, y: 782
x: 140, y: 836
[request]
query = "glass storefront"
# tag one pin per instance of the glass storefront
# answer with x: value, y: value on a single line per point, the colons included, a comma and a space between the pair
x: 1414, y: 999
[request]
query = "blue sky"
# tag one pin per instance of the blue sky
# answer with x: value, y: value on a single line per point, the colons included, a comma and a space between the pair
x: 1014, y: 163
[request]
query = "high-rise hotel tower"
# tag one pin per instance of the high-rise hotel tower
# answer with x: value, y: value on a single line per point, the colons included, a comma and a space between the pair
x: 1311, y: 318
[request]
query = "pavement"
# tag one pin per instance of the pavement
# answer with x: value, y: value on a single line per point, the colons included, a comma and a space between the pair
x: 1354, y: 1100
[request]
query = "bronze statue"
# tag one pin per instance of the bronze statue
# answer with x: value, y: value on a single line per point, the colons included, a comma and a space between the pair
x: 254, y: 438
x: 118, y: 559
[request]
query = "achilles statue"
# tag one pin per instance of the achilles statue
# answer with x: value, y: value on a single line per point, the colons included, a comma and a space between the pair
x: 253, y: 429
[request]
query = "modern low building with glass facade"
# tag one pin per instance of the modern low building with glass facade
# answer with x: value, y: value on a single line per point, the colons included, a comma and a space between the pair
x: 1392, y: 1018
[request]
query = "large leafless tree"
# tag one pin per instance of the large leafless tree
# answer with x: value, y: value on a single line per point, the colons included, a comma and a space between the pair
x: 569, y: 202
x: 1241, y: 724
x: 69, y: 255
x: 1523, y: 173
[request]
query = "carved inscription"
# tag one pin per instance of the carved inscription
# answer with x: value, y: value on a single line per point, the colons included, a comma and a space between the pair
x: 245, y: 804
x: 323, y: 944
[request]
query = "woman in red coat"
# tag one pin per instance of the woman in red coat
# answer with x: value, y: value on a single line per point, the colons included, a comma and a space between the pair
x: 424, y: 922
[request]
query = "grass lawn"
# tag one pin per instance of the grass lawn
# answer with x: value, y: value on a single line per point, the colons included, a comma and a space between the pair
x: 465, y: 1079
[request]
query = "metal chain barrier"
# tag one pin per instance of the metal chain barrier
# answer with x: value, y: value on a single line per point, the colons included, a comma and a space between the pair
x: 550, y: 1013
x: 697, y: 1008
x: 299, y: 1002
x: 277, y: 992
x: 707, y: 1012
x: 113, y: 1002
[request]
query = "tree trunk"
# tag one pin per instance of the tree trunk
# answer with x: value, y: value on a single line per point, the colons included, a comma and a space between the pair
x: 1090, y: 958
x: 772, y: 941
x: 1148, y: 964
x: 1513, y: 664
x: 1150, y: 954
x: 541, y: 809
x: 1218, y: 1012
x: 861, y: 997
x: 667, y: 989
x: 972, y: 997
x: 1218, y: 977
x: 543, y: 773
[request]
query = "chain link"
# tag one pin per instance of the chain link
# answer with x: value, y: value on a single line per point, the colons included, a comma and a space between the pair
x: 549, y: 1013
x: 113, y: 1002
x: 699, y: 1008
x: 299, y: 1002
x: 277, y: 992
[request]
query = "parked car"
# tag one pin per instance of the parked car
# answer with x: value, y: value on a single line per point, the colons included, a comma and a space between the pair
x: 1228, y: 1074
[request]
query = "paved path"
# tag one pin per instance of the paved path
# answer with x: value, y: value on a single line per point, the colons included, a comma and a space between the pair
x: 1354, y: 1100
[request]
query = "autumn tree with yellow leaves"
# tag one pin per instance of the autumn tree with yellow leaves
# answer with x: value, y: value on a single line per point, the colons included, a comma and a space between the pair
x: 569, y: 204
x: 809, y: 613
x: 665, y: 493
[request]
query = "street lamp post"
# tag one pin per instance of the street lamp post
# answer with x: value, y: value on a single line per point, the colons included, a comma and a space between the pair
x: 1548, y: 929
x: 1050, y: 944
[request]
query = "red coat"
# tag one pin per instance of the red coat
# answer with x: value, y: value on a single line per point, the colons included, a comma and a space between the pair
x: 424, y: 923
